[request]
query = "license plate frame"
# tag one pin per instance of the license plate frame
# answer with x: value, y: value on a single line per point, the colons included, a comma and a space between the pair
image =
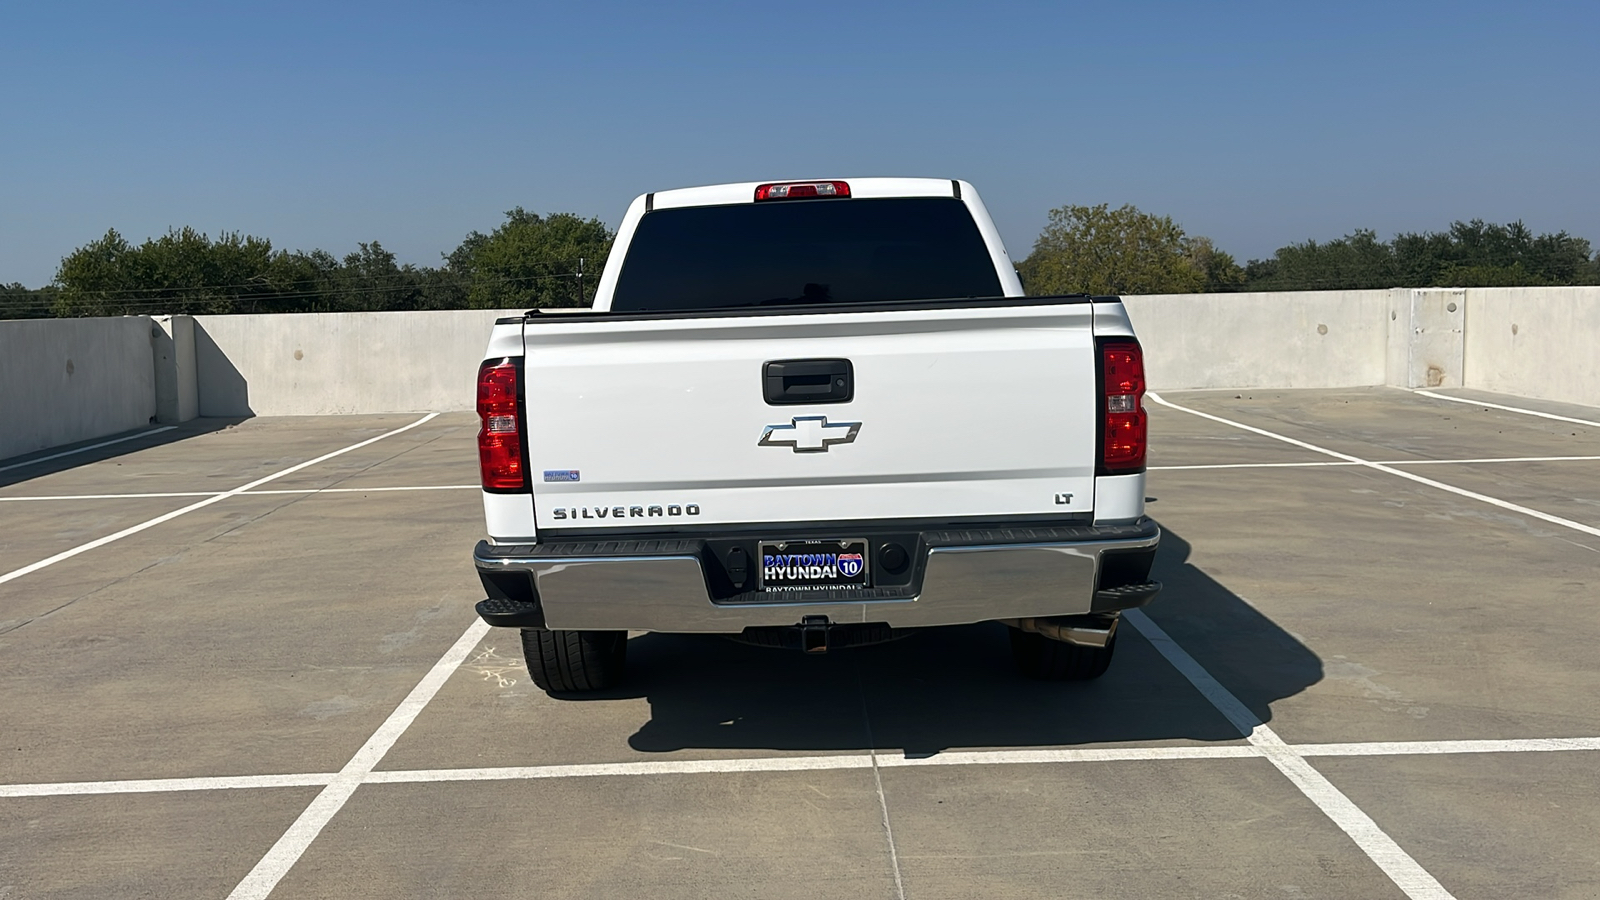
x: 811, y: 556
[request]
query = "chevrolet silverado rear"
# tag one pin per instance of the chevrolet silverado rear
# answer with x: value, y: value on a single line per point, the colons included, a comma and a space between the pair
x: 815, y: 415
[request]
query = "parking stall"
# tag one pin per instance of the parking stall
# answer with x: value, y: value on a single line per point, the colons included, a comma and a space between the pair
x: 240, y: 659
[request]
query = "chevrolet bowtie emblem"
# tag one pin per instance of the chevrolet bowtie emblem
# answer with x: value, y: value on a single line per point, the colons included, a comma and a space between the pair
x: 809, y: 434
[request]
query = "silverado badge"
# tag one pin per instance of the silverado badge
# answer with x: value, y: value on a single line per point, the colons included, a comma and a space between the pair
x: 809, y: 434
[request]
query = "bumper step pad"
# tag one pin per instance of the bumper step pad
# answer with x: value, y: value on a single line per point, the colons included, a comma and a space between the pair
x: 506, y: 613
x: 1128, y: 596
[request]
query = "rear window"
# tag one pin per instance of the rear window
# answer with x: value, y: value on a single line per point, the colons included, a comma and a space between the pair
x: 805, y: 251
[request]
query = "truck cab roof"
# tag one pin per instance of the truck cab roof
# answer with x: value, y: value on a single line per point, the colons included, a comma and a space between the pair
x: 851, y: 191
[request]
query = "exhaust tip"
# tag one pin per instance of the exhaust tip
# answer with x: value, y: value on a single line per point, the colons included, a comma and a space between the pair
x: 1084, y: 631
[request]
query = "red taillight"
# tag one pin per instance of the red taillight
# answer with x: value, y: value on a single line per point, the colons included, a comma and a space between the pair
x: 795, y: 190
x: 499, y: 440
x: 1124, y: 428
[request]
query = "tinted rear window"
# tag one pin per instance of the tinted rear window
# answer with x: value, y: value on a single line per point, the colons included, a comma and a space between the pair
x: 805, y: 251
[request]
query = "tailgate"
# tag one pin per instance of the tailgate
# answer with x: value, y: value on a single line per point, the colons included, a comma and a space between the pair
x: 984, y: 412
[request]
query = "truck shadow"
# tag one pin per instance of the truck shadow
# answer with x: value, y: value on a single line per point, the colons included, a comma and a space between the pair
x: 956, y: 687
x: 65, y: 457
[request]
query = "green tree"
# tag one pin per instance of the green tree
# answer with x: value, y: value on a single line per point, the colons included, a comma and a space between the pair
x: 1355, y: 261
x: 1098, y: 250
x: 93, y: 275
x: 1468, y: 254
x: 1220, y: 271
x: 370, y: 279
x: 183, y: 271
x: 18, y: 302
x: 1508, y: 254
x: 532, y: 261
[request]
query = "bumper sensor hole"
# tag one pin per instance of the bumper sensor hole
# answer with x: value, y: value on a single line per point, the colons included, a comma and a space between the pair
x: 893, y: 558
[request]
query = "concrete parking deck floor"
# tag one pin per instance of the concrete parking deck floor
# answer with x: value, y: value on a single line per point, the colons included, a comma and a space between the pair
x: 240, y: 659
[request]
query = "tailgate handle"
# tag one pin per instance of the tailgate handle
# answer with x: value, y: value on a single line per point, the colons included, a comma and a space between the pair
x: 796, y: 381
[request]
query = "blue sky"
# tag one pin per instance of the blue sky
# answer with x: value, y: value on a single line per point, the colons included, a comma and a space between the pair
x: 321, y: 125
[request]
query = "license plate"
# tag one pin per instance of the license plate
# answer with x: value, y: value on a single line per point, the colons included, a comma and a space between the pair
x: 813, y: 565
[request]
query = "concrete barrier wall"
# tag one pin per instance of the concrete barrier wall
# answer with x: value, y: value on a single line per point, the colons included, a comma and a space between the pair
x: 322, y: 363
x: 1534, y: 342
x: 67, y: 380
x: 1316, y: 339
x: 312, y: 364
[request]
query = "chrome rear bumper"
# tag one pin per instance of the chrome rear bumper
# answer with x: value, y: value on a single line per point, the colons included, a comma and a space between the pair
x: 965, y: 576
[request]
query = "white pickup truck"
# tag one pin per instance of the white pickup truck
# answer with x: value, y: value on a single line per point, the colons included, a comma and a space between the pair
x: 816, y: 415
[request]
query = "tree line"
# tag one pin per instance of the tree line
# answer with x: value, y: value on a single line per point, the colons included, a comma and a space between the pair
x: 529, y: 260
x: 1099, y: 250
x: 555, y: 260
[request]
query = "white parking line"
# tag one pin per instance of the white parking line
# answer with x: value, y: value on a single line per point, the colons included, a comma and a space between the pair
x: 843, y: 761
x: 150, y: 496
x: 40, y: 459
x: 642, y: 767
x: 1405, y: 872
x: 1067, y: 755
x: 375, y: 490
x: 1390, y: 469
x: 366, y: 490
x: 167, y: 517
x: 1411, y: 748
x: 473, y: 487
x: 1052, y: 756
x: 1281, y: 465
x: 283, y: 855
x: 1491, y: 459
x: 164, y: 785
x: 1515, y: 409
x: 1380, y: 462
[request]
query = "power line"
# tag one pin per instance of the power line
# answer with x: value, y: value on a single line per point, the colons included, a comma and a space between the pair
x: 202, y: 294
x: 416, y: 277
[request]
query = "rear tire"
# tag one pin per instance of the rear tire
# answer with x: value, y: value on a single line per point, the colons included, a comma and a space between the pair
x: 1050, y: 660
x: 575, y: 661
